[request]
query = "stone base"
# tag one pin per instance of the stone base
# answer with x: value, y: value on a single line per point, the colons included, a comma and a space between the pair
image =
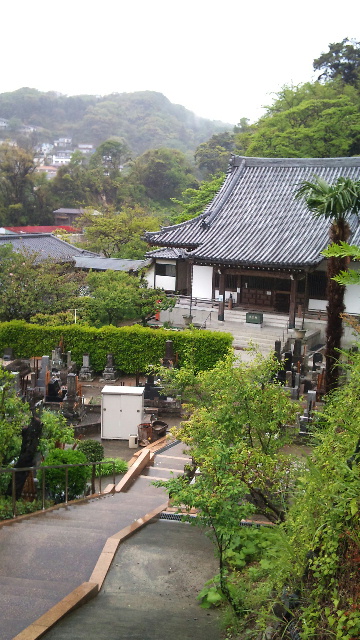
x: 86, y: 375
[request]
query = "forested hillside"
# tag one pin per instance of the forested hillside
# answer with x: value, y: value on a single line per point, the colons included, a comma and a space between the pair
x: 144, y: 119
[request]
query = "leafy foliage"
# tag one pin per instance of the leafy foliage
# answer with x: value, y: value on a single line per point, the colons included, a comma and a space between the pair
x: 234, y: 432
x: 335, y: 202
x: 135, y: 348
x: 55, y: 432
x: 107, y: 469
x: 55, y: 478
x: 30, y: 286
x: 341, y: 61
x: 93, y: 450
x: 14, y: 416
x: 111, y: 233
x: 194, y: 201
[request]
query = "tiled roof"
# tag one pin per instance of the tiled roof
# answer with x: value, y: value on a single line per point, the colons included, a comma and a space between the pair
x: 169, y: 253
x: 255, y: 220
x: 115, y: 264
x: 45, y: 245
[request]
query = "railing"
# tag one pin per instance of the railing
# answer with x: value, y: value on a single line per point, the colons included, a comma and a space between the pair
x: 188, y: 301
x: 65, y: 467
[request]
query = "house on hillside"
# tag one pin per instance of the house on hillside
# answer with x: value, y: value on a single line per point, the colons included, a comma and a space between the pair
x: 254, y: 241
x: 66, y: 216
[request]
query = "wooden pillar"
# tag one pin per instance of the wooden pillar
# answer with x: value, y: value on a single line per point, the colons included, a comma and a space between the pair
x: 221, y: 296
x: 293, y: 296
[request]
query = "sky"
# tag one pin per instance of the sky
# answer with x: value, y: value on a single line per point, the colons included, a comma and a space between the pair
x: 221, y: 60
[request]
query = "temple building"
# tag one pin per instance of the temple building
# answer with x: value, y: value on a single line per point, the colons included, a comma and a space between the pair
x: 255, y: 242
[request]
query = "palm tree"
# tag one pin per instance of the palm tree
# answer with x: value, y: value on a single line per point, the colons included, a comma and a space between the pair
x: 335, y: 202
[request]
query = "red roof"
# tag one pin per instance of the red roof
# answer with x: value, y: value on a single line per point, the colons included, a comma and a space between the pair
x: 42, y: 229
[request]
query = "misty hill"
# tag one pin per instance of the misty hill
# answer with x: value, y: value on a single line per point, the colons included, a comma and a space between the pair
x: 144, y: 119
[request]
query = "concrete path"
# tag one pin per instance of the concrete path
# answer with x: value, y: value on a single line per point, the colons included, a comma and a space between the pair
x: 150, y: 591
x: 45, y: 557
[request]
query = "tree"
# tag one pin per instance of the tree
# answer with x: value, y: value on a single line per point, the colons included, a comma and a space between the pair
x: 342, y: 61
x: 213, y: 156
x: 164, y: 173
x: 194, y: 201
x: 30, y: 286
x: 14, y: 416
x: 335, y: 203
x: 234, y: 432
x: 309, y: 120
x: 115, y: 296
x: 344, y: 250
x: 116, y: 234
x: 111, y: 155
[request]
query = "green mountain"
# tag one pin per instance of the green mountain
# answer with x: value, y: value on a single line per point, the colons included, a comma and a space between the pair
x: 144, y: 119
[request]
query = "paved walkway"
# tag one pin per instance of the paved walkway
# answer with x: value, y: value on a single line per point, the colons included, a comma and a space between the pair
x: 150, y: 591
x: 45, y: 557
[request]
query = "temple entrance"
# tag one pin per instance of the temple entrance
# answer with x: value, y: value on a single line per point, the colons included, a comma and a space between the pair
x: 268, y: 293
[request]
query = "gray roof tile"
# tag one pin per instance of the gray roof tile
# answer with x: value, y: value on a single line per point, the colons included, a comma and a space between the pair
x: 255, y: 220
x: 45, y: 245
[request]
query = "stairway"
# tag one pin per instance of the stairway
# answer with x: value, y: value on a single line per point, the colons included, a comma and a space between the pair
x: 45, y: 557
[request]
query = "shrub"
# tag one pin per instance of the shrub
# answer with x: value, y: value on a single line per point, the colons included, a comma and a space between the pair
x: 93, y: 450
x: 21, y: 507
x: 134, y: 348
x: 55, y: 478
x: 107, y: 469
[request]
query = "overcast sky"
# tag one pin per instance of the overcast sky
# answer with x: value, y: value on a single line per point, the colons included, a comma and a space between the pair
x: 222, y: 60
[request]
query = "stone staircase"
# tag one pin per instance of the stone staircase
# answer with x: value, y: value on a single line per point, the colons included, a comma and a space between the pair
x: 45, y: 557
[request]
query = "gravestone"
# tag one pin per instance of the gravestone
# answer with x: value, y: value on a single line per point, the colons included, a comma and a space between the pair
x: 72, y: 406
x: 278, y: 350
x: 45, y: 367
x: 311, y: 401
x: 110, y: 374
x: 56, y: 359
x: 168, y: 360
x: 86, y: 373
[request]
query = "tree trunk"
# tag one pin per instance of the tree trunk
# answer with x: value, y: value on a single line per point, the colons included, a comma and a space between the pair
x: 339, y: 232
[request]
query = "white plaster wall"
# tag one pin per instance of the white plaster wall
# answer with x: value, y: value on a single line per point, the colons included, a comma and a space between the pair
x: 352, y: 293
x: 202, y: 282
x: 165, y: 282
x: 150, y: 275
x: 227, y: 295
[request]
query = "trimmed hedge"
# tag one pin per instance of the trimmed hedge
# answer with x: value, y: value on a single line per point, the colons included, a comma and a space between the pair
x: 134, y: 348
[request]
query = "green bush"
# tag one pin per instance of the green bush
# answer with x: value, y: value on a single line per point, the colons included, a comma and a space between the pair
x: 55, y: 478
x: 107, y: 469
x: 134, y: 348
x: 93, y: 450
x: 22, y: 507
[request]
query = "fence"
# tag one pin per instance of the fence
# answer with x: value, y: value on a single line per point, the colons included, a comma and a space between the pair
x: 13, y: 471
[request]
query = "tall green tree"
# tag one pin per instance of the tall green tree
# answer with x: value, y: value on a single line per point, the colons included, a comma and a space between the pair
x: 335, y: 202
x: 214, y: 155
x: 115, y: 296
x: 163, y: 173
x: 118, y: 235
x: 194, y: 201
x: 341, y: 61
x: 29, y: 286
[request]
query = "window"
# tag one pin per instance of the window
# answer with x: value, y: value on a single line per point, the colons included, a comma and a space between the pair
x: 165, y: 270
x: 317, y: 285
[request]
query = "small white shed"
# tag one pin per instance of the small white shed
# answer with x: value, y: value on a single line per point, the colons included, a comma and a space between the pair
x: 122, y: 409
